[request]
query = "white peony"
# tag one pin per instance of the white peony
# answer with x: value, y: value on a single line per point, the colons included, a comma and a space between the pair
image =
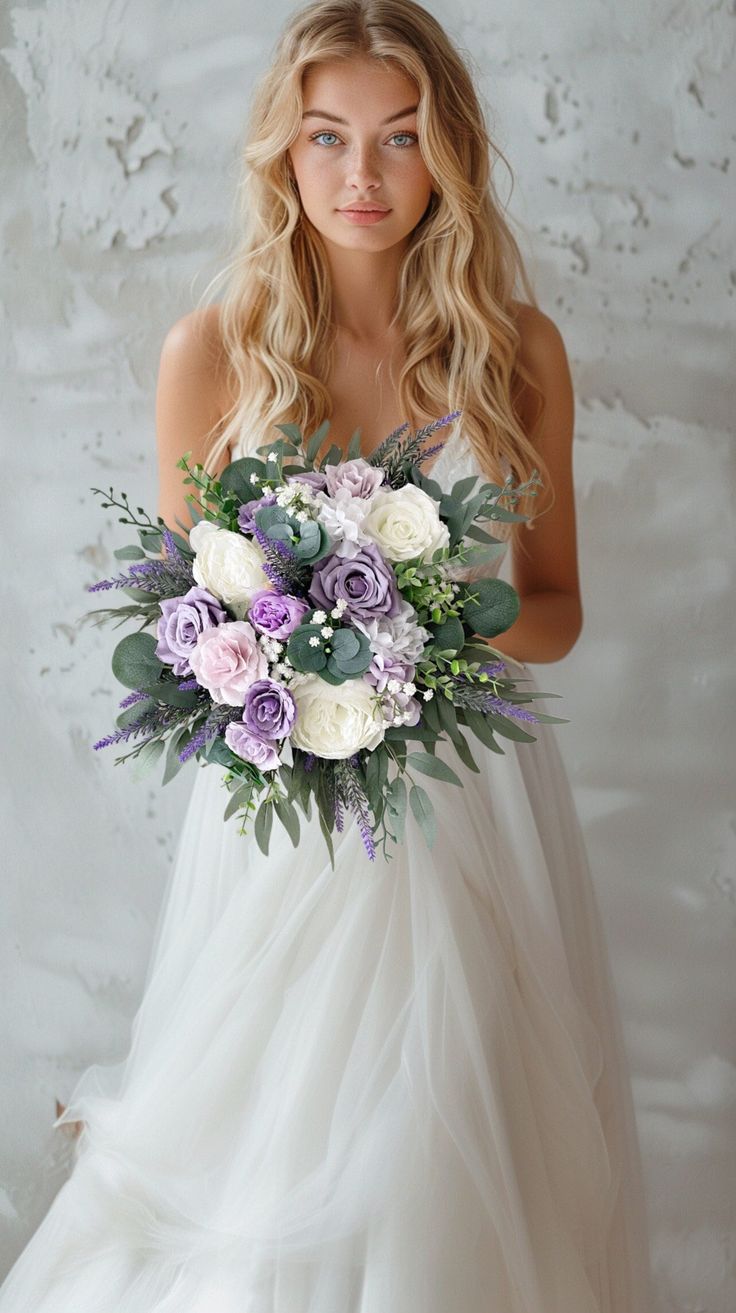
x: 336, y: 720
x: 404, y: 523
x: 228, y: 565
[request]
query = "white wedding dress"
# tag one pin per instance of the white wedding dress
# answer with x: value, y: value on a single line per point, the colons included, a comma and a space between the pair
x: 391, y: 1087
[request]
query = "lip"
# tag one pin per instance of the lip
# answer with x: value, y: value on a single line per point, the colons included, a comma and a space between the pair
x: 364, y: 216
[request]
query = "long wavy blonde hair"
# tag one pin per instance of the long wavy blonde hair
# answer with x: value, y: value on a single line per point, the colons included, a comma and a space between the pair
x: 457, y: 278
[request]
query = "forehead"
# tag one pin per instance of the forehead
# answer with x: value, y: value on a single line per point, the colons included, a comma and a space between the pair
x: 341, y: 84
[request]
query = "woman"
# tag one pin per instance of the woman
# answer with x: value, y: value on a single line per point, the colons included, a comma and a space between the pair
x: 397, y: 1087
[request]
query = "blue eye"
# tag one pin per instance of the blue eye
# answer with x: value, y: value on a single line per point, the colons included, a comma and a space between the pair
x: 325, y: 132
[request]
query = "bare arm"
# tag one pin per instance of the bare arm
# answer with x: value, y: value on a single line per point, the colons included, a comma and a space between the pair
x: 188, y: 402
x: 551, y: 615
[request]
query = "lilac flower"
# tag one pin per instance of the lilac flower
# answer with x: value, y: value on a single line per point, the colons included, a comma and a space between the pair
x: 269, y: 710
x: 276, y: 614
x: 250, y: 747
x: 314, y: 479
x: 182, y: 621
x: 246, y: 523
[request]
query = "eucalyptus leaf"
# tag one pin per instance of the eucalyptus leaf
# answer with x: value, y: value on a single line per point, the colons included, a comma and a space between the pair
x: 462, y: 748
x: 129, y: 554
x: 433, y: 766
x: 134, y: 661
x: 146, y: 759
x: 461, y: 489
x: 262, y: 826
x: 286, y: 813
x: 476, y: 721
x: 508, y: 728
x: 495, y: 607
x: 421, y: 805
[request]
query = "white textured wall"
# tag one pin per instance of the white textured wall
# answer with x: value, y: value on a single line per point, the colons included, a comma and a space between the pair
x: 119, y: 127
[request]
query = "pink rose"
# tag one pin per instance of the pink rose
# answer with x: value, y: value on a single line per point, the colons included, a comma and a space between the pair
x: 227, y: 660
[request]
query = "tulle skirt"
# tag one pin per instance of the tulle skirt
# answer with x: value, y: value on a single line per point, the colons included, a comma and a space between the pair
x: 392, y: 1087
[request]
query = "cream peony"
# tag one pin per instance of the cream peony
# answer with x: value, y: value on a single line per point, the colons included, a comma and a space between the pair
x: 335, y: 720
x: 228, y: 565
x: 404, y: 523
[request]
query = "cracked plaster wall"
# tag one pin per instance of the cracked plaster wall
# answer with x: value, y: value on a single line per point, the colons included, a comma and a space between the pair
x: 119, y: 130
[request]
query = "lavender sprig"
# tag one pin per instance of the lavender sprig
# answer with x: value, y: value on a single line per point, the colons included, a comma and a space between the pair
x: 214, y: 724
x: 350, y: 791
x: 477, y: 698
x: 156, y: 719
x: 284, y: 580
x: 164, y: 578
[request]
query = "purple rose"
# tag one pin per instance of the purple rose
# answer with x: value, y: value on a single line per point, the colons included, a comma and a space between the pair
x: 181, y: 622
x: 248, y: 746
x: 246, y: 523
x: 314, y: 479
x: 269, y: 710
x: 358, y: 477
x: 276, y: 614
x: 365, y: 581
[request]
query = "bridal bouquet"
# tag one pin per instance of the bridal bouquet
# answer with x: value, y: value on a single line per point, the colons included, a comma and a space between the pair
x: 316, y: 622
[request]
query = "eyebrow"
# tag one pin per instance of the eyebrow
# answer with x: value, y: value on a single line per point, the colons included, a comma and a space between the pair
x: 322, y: 114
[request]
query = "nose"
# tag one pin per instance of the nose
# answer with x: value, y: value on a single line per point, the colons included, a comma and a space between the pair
x: 362, y: 169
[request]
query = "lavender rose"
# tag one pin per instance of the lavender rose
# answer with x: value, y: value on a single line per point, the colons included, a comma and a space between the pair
x: 314, y: 479
x: 276, y: 614
x: 245, y: 515
x: 249, y: 747
x: 269, y: 710
x: 182, y: 621
x: 364, y: 581
x: 227, y: 660
x: 384, y: 667
x: 356, y: 476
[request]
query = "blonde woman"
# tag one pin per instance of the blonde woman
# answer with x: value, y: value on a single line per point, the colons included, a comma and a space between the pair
x: 396, y: 1087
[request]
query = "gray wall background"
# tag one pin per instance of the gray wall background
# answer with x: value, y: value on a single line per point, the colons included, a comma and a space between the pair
x: 119, y: 128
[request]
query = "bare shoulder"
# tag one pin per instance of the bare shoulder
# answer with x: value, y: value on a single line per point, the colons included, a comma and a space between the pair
x: 542, y: 362
x: 539, y: 336
x: 192, y: 350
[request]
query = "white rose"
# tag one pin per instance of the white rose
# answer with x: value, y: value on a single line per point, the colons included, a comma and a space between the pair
x: 405, y: 523
x: 336, y: 720
x: 228, y: 565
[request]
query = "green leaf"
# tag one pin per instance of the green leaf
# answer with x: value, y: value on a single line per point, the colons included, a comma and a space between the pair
x: 235, y: 477
x: 462, y: 748
x: 434, y: 766
x: 262, y: 827
x: 449, y: 635
x: 134, y: 661
x: 286, y: 813
x: 240, y: 798
x: 137, y: 594
x: 315, y: 441
x: 146, y: 759
x: 327, y: 836
x: 292, y: 431
x: 353, y: 450
x: 172, y: 764
x: 130, y: 554
x: 448, y: 717
x: 421, y: 806
x: 508, y: 728
x: 461, y: 489
x: 396, y: 801
x: 495, y: 608
x: 476, y: 721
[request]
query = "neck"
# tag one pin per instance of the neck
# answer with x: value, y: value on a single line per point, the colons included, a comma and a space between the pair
x: 364, y: 285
